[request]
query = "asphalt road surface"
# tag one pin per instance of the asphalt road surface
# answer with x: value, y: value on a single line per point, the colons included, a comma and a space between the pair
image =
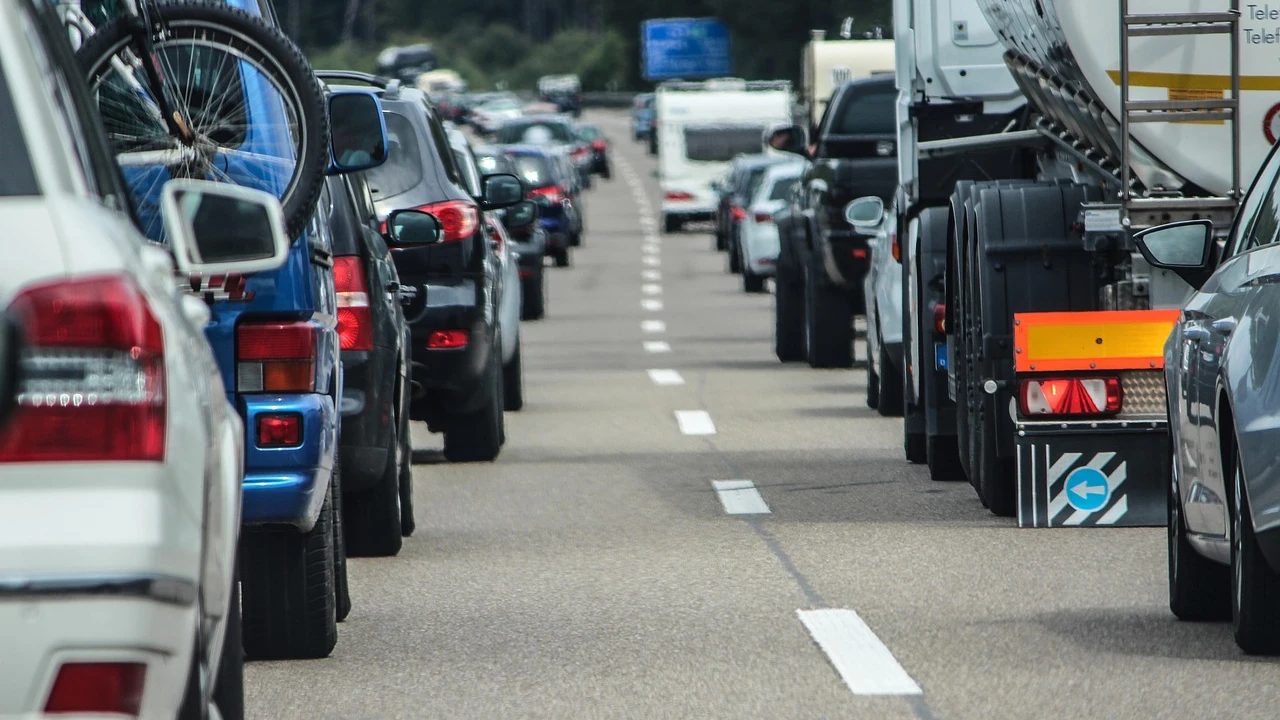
x: 596, y: 569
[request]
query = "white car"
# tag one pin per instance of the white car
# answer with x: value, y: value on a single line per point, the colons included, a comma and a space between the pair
x: 491, y: 115
x: 882, y: 293
x: 120, y: 468
x: 758, y: 235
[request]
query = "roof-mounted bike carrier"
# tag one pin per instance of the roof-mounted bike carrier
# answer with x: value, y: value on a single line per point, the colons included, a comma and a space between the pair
x: 391, y: 87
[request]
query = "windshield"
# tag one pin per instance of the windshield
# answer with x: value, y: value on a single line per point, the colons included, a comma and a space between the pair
x: 868, y: 113
x: 782, y: 187
x: 403, y: 169
x: 722, y: 143
x: 515, y: 132
x: 535, y: 170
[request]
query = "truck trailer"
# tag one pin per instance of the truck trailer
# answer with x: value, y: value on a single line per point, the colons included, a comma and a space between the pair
x: 1036, y: 137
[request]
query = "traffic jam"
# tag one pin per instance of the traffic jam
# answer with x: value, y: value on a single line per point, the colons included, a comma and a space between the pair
x: 328, y: 393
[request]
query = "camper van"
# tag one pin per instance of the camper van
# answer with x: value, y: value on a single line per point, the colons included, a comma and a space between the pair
x: 828, y: 64
x: 701, y: 127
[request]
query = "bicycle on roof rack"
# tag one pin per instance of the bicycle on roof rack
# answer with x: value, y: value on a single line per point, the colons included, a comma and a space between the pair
x: 203, y: 90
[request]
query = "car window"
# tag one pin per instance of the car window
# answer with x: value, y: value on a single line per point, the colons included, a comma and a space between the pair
x: 403, y: 168
x: 1260, y: 201
x: 721, y: 143
x: 444, y: 151
x: 867, y: 113
x: 488, y: 164
x: 469, y: 172
x: 18, y: 177
x: 514, y: 132
x: 782, y: 187
x: 1266, y: 220
x: 588, y: 133
x: 535, y: 170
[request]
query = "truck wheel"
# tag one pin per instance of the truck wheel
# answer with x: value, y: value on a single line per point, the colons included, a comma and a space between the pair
x: 288, y: 591
x: 914, y: 446
x: 534, y: 304
x: 788, y: 315
x: 996, y: 481
x: 1255, y: 587
x: 477, y: 436
x: 942, y: 454
x: 513, y: 382
x: 407, y: 522
x: 892, y: 392
x: 373, y: 516
x: 671, y: 224
x: 1199, y: 588
x: 828, y: 323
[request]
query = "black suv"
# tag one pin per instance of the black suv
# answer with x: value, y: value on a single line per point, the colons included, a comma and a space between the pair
x: 374, y: 446
x: 449, y: 288
x: 528, y: 239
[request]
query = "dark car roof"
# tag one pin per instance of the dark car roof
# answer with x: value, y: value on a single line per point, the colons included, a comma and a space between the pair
x: 528, y: 150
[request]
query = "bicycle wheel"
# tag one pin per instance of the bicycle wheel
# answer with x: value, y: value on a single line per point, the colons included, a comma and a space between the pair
x: 251, y: 100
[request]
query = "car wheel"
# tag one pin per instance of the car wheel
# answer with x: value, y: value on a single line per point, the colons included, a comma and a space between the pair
x: 407, y: 522
x: 735, y: 256
x: 873, y: 380
x: 534, y: 305
x: 788, y: 315
x: 288, y: 591
x: 513, y: 382
x: 891, y: 389
x: 1255, y: 586
x: 561, y: 256
x: 477, y: 436
x: 751, y: 282
x: 575, y: 240
x: 228, y: 689
x: 1199, y: 588
x: 341, y: 587
x: 671, y: 224
x: 373, y: 516
x: 828, y: 323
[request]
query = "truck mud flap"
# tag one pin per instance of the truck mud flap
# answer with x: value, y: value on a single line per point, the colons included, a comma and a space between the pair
x: 1108, y: 476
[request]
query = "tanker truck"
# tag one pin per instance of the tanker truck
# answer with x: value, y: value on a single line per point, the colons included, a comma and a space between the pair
x: 1036, y: 137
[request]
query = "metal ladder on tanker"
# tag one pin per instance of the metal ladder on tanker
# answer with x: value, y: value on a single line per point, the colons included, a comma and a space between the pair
x: 1143, y: 111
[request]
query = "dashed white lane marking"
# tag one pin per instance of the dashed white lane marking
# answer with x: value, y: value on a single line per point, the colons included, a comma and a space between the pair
x: 665, y: 377
x: 651, y: 275
x: 740, y: 497
x: 650, y: 249
x: 653, y: 326
x: 653, y: 261
x: 657, y: 346
x: 695, y: 422
x: 863, y: 662
x: 651, y: 304
x: 651, y: 289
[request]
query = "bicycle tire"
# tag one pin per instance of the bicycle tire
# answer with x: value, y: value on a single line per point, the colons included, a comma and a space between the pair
x: 292, y: 71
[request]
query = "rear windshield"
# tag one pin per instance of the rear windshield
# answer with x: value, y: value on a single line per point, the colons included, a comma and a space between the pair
x: 871, y: 113
x: 588, y: 133
x: 513, y: 133
x: 721, y: 144
x: 17, y: 176
x: 782, y: 187
x: 403, y: 168
x: 756, y: 180
x: 489, y: 164
x: 535, y: 170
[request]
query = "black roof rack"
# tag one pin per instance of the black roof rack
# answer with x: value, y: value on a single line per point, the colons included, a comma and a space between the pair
x: 354, y: 76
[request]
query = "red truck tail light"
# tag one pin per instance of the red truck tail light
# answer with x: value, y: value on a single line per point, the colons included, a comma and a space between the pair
x: 98, y: 688
x: 763, y: 217
x: 355, y: 318
x: 737, y: 214
x: 458, y: 219
x: 895, y: 247
x: 448, y: 339
x: 274, y: 357
x: 94, y: 379
x: 552, y: 193
x: 677, y: 195
x: 279, y: 430
x: 940, y: 318
x: 1070, y: 396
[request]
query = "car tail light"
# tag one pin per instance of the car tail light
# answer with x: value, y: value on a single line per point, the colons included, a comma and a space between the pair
x: 94, y: 380
x: 525, y: 273
x: 737, y: 214
x: 940, y: 318
x: 860, y: 254
x: 598, y: 145
x: 447, y: 339
x: 493, y: 232
x: 1070, y: 396
x: 98, y: 688
x: 895, y: 247
x: 677, y: 195
x: 279, y: 430
x: 552, y: 193
x: 580, y: 151
x: 274, y: 357
x: 763, y: 217
x: 355, y: 318
x: 458, y: 219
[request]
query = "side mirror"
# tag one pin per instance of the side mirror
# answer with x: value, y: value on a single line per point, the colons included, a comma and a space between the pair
x: 521, y: 215
x: 1183, y: 247
x: 358, y: 132
x: 413, y: 227
x: 865, y: 215
x: 500, y: 190
x: 219, y: 228
x: 11, y: 341
x: 790, y: 139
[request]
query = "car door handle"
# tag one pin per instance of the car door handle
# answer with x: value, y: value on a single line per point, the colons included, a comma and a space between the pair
x: 1194, y: 333
x: 1224, y: 326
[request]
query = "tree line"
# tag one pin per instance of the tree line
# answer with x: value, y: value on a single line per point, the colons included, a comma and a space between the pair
x: 512, y: 42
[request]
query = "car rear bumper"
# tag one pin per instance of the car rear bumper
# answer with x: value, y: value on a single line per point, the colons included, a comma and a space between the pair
x: 287, y: 486
x: 847, y: 258
x: 368, y: 395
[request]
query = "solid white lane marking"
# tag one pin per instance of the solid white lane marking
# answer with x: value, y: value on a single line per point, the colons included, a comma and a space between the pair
x: 650, y: 249
x: 657, y: 346
x: 863, y: 662
x: 653, y: 275
x: 653, y: 239
x: 653, y: 326
x: 653, y: 261
x: 740, y: 497
x: 695, y: 422
x: 651, y: 304
x: 665, y: 377
x: 651, y: 289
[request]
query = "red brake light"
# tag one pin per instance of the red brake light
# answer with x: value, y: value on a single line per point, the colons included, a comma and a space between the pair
x: 763, y: 217
x: 598, y: 144
x: 737, y: 213
x: 279, y: 430
x: 94, y: 381
x: 447, y: 339
x: 355, y: 319
x: 552, y: 193
x: 895, y: 246
x: 1070, y: 396
x: 275, y: 357
x: 458, y: 219
x: 97, y: 688
x: 940, y: 318
x: 677, y: 195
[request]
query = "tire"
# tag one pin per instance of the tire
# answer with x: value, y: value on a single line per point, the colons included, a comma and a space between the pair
x: 788, y: 316
x: 873, y: 380
x: 575, y: 240
x: 534, y: 303
x: 407, y: 521
x: 228, y: 688
x: 288, y: 591
x: 513, y: 382
x: 477, y: 436
x: 996, y: 482
x: 341, y: 586
x: 219, y: 25
x: 671, y: 224
x: 891, y: 389
x: 828, y: 323
x: 606, y: 172
x: 1199, y: 588
x: 373, y: 517
x: 915, y: 446
x: 1255, y: 586
x: 734, y: 256
x: 753, y: 283
x: 561, y: 257
x: 942, y: 455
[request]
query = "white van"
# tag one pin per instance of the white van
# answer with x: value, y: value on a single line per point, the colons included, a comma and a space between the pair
x: 701, y: 127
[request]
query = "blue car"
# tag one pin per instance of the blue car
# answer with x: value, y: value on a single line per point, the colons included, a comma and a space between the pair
x: 275, y: 338
x: 642, y: 116
x: 551, y: 189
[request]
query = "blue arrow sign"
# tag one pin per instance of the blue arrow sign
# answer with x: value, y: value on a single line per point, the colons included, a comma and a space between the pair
x: 1087, y: 489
